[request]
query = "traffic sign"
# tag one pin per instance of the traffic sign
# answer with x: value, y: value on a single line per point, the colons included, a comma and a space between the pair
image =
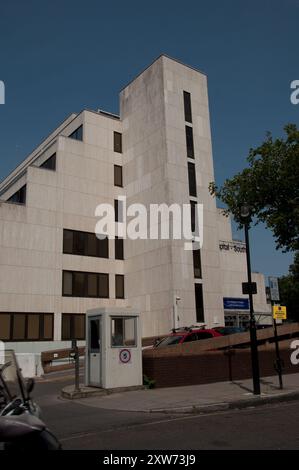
x: 125, y: 356
x: 246, y: 288
x: 274, y: 289
x: 279, y: 312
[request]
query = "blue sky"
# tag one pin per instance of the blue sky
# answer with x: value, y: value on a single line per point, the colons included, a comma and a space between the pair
x: 61, y: 56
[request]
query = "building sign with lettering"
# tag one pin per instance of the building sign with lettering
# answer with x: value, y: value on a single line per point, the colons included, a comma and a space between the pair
x: 236, y: 247
x: 234, y: 303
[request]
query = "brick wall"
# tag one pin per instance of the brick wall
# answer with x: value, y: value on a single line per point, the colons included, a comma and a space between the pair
x: 176, y: 368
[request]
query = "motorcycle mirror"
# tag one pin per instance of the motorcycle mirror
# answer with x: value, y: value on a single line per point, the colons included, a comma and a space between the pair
x: 30, y: 386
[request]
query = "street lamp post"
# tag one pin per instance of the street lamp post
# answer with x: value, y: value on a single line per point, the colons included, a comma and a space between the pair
x: 245, y: 214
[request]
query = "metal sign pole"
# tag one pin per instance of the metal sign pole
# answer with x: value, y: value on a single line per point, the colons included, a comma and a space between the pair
x: 75, y: 356
x: 275, y: 297
x: 278, y: 361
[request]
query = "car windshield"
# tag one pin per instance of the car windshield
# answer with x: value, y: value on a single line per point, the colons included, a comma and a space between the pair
x: 11, y: 380
x: 169, y: 340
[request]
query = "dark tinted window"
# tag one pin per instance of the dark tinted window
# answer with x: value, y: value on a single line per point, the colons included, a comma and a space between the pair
x: 117, y: 142
x: 189, y: 142
x: 119, y: 248
x: 77, y: 134
x: 199, y: 303
x: 118, y: 176
x: 104, y: 285
x: 19, y: 327
x: 4, y: 326
x: 187, y: 106
x: 73, y: 326
x: 84, y: 244
x: 192, y: 179
x: 118, y: 210
x: 189, y: 338
x: 79, y: 287
x: 26, y: 326
x: 204, y: 335
x: 83, y: 284
x: 119, y: 286
x: 193, y: 215
x: 19, y: 197
x: 50, y: 164
x: 197, y: 264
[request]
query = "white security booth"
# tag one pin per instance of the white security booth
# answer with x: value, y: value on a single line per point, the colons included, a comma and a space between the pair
x: 113, y: 348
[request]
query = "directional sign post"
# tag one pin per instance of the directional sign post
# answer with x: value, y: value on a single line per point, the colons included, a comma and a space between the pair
x: 279, y: 313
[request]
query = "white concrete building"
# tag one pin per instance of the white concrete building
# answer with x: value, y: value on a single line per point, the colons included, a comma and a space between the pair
x: 53, y: 268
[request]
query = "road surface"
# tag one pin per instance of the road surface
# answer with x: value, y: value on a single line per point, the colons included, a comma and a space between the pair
x: 82, y: 426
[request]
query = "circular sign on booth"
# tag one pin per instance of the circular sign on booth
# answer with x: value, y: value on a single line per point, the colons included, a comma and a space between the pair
x: 124, y: 356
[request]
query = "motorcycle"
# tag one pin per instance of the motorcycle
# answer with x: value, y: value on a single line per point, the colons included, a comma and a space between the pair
x: 21, y: 427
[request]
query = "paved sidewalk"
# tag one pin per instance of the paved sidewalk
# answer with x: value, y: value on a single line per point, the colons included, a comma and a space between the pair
x: 199, y: 398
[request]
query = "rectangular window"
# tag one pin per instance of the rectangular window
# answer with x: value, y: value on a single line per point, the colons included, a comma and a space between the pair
x: 119, y: 248
x: 117, y: 137
x: 67, y: 283
x: 83, y: 284
x: 79, y: 243
x: 193, y: 205
x: 47, y: 326
x: 92, y: 285
x: 33, y: 327
x: 19, y: 327
x: 123, y: 332
x: 118, y: 176
x: 104, y: 286
x: 118, y: 210
x: 4, y: 326
x: 19, y: 197
x: 79, y: 285
x: 192, y: 179
x: 187, y: 106
x: 119, y: 286
x: 197, y: 264
x: 26, y: 326
x: 199, y: 303
x: 92, y: 245
x: 84, y: 244
x: 77, y: 134
x: 50, y: 164
x: 73, y: 326
x: 189, y: 142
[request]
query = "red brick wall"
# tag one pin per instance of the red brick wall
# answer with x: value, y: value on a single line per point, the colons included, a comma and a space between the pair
x: 172, y: 370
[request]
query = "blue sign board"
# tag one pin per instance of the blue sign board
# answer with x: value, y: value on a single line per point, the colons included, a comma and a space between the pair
x: 233, y: 303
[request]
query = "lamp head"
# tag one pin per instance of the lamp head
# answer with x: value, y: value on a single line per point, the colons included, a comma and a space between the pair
x: 245, y: 211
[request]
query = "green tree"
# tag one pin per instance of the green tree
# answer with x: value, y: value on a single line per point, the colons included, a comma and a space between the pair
x: 289, y: 289
x: 270, y: 186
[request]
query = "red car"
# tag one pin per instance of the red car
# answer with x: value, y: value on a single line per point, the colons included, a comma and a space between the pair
x: 186, y: 335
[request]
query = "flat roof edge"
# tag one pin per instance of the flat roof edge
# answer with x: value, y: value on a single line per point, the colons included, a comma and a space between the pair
x: 155, y: 60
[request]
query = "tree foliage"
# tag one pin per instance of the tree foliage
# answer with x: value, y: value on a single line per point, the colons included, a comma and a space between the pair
x: 270, y: 186
x: 289, y: 290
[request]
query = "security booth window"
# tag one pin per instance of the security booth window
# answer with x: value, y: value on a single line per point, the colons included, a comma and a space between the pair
x: 123, y: 332
x: 94, y: 337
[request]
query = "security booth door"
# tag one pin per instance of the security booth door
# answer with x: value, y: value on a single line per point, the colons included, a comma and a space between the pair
x: 94, y: 350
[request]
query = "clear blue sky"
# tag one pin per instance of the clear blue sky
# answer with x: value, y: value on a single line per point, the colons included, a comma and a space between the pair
x: 57, y: 57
